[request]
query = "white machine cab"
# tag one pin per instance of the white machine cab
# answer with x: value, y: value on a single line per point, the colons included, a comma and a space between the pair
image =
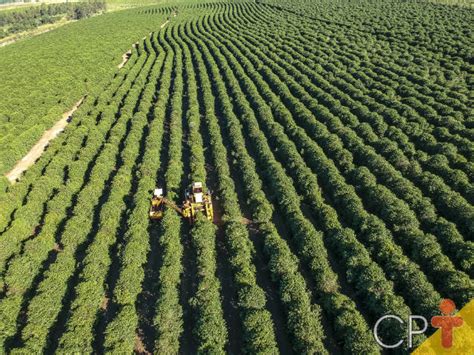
x: 197, y: 192
x: 158, y: 192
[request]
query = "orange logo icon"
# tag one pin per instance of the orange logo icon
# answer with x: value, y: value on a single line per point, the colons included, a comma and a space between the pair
x: 447, y: 322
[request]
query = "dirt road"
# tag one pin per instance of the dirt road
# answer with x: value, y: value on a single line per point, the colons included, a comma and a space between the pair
x: 33, y: 32
x: 38, y: 149
x: 125, y: 58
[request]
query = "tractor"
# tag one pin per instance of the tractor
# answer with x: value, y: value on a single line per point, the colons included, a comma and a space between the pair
x: 195, y: 200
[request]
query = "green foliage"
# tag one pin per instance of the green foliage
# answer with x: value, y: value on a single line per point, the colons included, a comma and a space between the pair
x: 308, y: 184
x: 168, y: 320
x: 44, y: 76
x: 344, y: 140
x: 76, y: 231
x: 4, y: 183
x: 120, y: 330
x: 210, y: 328
x: 256, y: 321
x: 288, y: 199
x: 97, y: 261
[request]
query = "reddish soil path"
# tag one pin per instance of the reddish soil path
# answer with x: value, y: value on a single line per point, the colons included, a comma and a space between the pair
x: 38, y: 149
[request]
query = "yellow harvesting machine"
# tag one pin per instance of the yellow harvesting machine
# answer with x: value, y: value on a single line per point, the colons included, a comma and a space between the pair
x: 196, y: 200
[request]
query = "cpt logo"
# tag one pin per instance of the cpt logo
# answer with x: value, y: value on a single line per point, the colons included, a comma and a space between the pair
x: 446, y: 322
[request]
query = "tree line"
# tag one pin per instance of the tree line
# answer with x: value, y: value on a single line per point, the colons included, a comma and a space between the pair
x: 12, y: 22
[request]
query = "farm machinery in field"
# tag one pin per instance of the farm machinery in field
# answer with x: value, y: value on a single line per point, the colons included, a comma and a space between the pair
x: 196, y: 200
